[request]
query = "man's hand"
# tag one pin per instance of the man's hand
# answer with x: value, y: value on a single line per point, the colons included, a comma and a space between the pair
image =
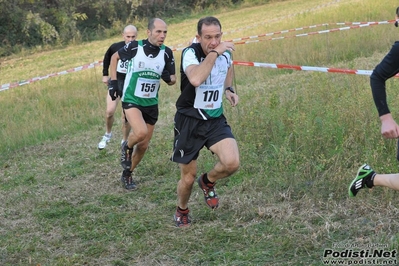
x: 113, y: 89
x: 232, y: 98
x: 224, y: 46
x: 105, y: 80
x: 166, y: 76
x: 389, y: 128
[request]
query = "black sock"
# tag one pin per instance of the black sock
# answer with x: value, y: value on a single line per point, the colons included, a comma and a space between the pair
x: 370, y: 181
x: 127, y: 173
x: 206, y: 180
x: 182, y: 210
x: 127, y: 145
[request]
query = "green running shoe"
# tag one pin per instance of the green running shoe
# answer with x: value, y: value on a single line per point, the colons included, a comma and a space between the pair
x: 364, y: 178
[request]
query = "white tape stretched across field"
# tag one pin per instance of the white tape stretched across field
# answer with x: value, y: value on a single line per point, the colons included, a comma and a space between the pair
x: 349, y: 25
x: 24, y: 82
x: 306, y: 68
x: 354, y: 25
x: 238, y: 63
x: 286, y: 17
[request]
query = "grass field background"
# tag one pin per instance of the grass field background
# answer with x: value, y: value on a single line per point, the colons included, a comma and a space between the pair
x: 302, y: 136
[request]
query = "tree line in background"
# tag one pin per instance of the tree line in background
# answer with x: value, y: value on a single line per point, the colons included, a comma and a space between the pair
x: 43, y: 23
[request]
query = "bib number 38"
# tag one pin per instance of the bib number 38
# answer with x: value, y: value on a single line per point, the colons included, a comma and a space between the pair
x: 122, y: 66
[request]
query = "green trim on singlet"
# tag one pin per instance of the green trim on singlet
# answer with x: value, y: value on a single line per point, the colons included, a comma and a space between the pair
x: 132, y: 77
x: 214, y: 113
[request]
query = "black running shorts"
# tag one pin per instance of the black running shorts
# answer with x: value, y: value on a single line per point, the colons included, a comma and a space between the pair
x: 150, y: 113
x: 192, y: 134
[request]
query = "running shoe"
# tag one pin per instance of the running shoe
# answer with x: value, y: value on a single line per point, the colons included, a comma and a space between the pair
x: 211, y: 199
x: 127, y: 180
x: 364, y: 178
x: 126, y: 157
x: 104, y: 141
x: 182, y: 218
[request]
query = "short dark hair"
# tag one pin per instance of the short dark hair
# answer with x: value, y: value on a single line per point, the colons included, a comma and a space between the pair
x: 207, y: 21
x: 397, y: 11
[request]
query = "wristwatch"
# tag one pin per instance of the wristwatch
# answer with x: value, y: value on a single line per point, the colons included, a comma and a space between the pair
x: 230, y: 89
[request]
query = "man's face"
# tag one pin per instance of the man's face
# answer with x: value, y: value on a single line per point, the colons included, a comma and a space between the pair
x: 129, y: 35
x: 210, y: 38
x: 157, y: 35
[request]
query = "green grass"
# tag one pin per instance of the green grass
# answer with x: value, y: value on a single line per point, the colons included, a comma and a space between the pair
x: 302, y: 136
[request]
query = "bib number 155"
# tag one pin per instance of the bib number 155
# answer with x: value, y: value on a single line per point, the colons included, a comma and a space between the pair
x: 148, y: 87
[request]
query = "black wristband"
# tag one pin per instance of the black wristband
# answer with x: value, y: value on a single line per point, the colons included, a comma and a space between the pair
x: 230, y: 89
x: 166, y: 76
x: 214, y: 51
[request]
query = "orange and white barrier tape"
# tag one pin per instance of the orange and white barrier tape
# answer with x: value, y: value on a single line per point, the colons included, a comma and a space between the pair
x: 306, y: 68
x: 238, y: 63
x: 24, y: 82
x: 355, y: 25
x: 236, y: 41
x: 271, y: 21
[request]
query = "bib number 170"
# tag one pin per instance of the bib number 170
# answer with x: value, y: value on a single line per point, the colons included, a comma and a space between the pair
x: 211, y: 96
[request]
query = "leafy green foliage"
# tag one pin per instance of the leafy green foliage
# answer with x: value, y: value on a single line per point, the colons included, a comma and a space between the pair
x: 27, y: 24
